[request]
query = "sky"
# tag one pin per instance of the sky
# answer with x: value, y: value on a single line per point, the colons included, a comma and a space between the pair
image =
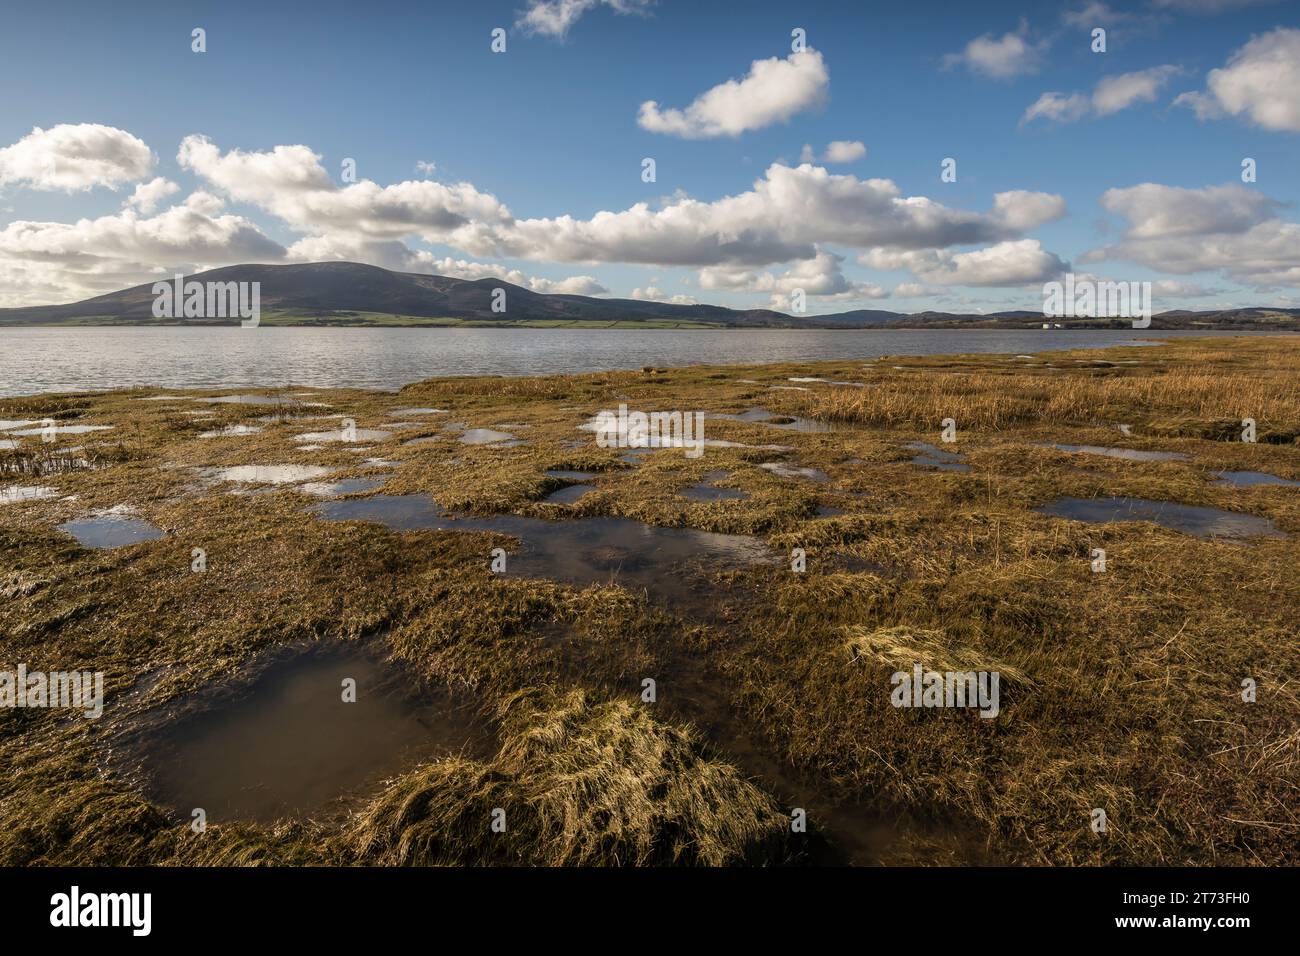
x: 796, y: 147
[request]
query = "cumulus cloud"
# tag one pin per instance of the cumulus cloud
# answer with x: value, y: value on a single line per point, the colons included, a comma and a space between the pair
x: 1112, y: 94
x: 651, y: 293
x: 291, y: 182
x: 844, y: 151
x: 75, y: 158
x: 553, y: 18
x: 147, y: 196
x: 1009, y: 55
x: 1229, y: 229
x: 1260, y: 82
x: 787, y: 213
x: 54, y: 261
x: 820, y: 276
x: 1023, y: 262
x: 773, y: 91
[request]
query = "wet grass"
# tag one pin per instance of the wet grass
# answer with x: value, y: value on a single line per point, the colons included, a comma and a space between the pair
x: 1121, y: 690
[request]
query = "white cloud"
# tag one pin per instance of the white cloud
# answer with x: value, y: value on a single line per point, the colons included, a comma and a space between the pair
x: 819, y: 276
x: 1229, y: 229
x: 427, y: 168
x: 75, y: 157
x: 912, y: 290
x: 844, y: 151
x: 554, y: 17
x: 45, y: 262
x: 1003, y: 57
x: 1260, y: 82
x: 783, y: 217
x: 291, y: 182
x: 653, y: 294
x: 1058, y: 107
x: 1115, y: 93
x: 773, y: 91
x: 1023, y: 262
x: 147, y: 196
x: 1112, y: 94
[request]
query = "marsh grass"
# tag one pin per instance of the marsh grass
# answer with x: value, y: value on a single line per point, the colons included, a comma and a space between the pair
x: 1122, y: 690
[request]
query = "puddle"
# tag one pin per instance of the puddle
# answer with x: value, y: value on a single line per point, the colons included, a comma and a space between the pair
x: 934, y: 457
x: 567, y: 495
x: 487, y: 436
x: 349, y: 435
x: 16, y: 493
x: 1192, y: 519
x: 783, y: 470
x: 229, y: 431
x: 773, y: 420
x: 1251, y: 479
x: 8, y: 444
x: 582, y: 551
x: 1131, y: 454
x: 285, y: 744
x: 344, y: 486
x: 111, y: 530
x: 399, y: 412
x: 827, y: 381
x: 7, y: 424
x: 706, y: 490
x: 63, y: 430
x: 572, y: 475
x: 267, y: 474
x: 246, y: 400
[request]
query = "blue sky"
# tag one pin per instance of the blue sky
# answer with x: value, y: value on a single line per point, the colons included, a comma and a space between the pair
x: 550, y: 129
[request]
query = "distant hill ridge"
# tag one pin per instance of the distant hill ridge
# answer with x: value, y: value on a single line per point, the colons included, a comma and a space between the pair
x: 352, y: 293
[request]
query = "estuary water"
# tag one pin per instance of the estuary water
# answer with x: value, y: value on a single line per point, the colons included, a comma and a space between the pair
x: 34, y: 360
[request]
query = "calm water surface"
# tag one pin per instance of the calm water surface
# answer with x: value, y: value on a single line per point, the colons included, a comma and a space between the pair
x: 67, y: 359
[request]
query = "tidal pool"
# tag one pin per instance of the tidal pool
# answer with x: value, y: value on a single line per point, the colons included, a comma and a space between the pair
x: 16, y: 493
x: 487, y: 436
x: 571, y: 475
x: 774, y: 420
x: 582, y: 551
x: 706, y: 489
x: 285, y: 743
x: 1130, y: 454
x: 934, y: 457
x: 784, y: 470
x: 111, y: 531
x: 1192, y: 519
x: 1251, y: 479
x: 344, y: 486
x: 568, y: 494
x: 267, y: 474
